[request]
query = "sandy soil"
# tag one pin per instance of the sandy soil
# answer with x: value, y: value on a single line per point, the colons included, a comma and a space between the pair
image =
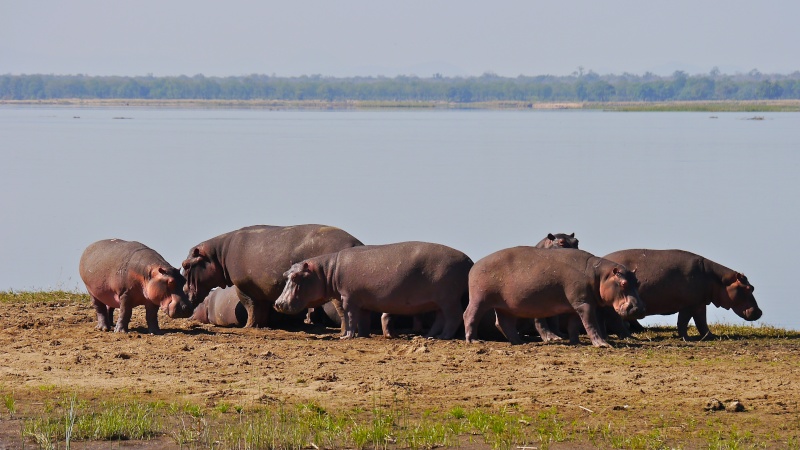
x: 654, y: 375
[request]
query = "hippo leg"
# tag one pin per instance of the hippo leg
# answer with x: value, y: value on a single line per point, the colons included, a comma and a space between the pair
x: 507, y: 324
x: 257, y: 314
x: 437, y: 327
x: 544, y: 331
x: 125, y: 311
x: 699, y: 315
x: 104, y: 313
x: 351, y: 319
x: 387, y: 326
x: 451, y: 313
x: 364, y: 322
x: 151, y: 316
x: 574, y: 328
x: 588, y: 316
x: 472, y: 317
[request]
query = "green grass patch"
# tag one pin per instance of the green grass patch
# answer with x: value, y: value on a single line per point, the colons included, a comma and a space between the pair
x: 57, y: 296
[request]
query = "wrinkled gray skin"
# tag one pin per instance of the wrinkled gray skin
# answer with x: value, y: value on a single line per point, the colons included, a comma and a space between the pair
x: 253, y: 260
x: 532, y: 282
x: 406, y: 278
x: 221, y: 308
x: 676, y: 281
x: 122, y: 274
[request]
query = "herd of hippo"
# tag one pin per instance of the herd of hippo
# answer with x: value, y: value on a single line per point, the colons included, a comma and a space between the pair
x: 324, y: 275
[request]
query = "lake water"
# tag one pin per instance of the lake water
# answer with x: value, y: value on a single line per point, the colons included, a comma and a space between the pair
x: 715, y: 184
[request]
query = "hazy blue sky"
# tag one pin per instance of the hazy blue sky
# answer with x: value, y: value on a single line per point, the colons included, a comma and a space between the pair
x: 372, y: 37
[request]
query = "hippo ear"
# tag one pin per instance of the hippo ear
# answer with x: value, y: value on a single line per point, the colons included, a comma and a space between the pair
x: 615, y: 271
x: 572, y: 235
x: 196, y: 252
x: 551, y: 237
x: 306, y: 267
x: 162, y: 271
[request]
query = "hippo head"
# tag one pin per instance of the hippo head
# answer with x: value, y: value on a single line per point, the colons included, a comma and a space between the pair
x: 738, y: 296
x: 620, y: 288
x: 165, y: 285
x: 203, y: 273
x: 560, y: 240
x: 303, y: 289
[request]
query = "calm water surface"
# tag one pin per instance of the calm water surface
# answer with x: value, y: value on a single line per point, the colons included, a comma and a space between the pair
x: 479, y: 181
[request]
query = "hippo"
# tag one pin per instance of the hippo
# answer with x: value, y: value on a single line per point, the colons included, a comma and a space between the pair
x: 222, y: 308
x: 122, y: 274
x: 558, y: 240
x: 533, y: 282
x: 253, y: 260
x: 406, y: 278
x: 677, y: 281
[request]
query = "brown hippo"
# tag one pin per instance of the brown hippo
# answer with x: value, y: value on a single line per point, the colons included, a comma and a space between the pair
x: 676, y: 281
x: 222, y: 308
x: 122, y: 274
x: 558, y: 240
x: 253, y: 260
x: 533, y: 282
x: 406, y: 278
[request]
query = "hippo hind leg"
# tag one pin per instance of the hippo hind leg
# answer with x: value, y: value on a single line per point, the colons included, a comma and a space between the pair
x: 507, y: 324
x: 545, y: 332
x: 451, y: 314
x: 104, y: 315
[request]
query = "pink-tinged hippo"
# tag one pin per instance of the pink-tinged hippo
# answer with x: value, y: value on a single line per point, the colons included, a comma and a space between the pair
x: 406, y: 278
x: 533, y: 282
x: 676, y: 281
x: 253, y: 259
x: 221, y: 308
x: 122, y: 274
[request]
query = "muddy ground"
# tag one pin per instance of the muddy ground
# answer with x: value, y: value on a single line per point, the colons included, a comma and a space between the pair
x: 655, y: 376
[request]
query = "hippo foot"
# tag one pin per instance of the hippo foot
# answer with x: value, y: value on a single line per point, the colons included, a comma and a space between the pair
x: 709, y: 337
x: 550, y: 337
x: 601, y: 344
x: 120, y: 330
x: 156, y: 332
x: 102, y: 327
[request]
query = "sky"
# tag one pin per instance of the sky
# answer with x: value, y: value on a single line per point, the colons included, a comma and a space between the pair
x: 414, y: 37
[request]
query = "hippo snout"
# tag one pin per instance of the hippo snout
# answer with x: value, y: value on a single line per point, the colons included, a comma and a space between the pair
x: 180, y: 308
x: 751, y: 314
x: 633, y: 308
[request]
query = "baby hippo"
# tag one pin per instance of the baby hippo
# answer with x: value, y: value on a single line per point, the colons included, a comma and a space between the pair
x: 532, y: 282
x: 406, y: 278
x: 122, y: 274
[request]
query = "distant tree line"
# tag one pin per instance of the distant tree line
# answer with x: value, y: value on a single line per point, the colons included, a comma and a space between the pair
x: 580, y: 86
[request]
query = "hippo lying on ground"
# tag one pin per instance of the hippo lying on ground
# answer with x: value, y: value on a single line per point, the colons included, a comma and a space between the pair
x: 533, y: 282
x: 406, y: 278
x: 253, y: 259
x: 222, y: 308
x: 122, y: 274
x: 676, y: 281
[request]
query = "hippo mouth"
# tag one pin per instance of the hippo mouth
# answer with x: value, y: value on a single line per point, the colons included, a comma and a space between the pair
x: 750, y: 314
x: 632, y: 308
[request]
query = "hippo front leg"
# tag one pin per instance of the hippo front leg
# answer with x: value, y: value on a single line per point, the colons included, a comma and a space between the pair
x: 125, y: 311
x: 698, y: 313
x: 257, y: 315
x: 151, y: 316
x: 387, y: 327
x: 588, y: 316
x: 350, y: 320
x: 104, y: 313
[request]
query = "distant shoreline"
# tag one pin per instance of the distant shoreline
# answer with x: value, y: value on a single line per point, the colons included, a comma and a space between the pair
x: 698, y: 106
